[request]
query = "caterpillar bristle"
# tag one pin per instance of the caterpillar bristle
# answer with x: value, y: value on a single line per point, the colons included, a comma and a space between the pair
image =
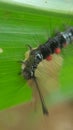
x: 21, y: 62
x: 29, y: 46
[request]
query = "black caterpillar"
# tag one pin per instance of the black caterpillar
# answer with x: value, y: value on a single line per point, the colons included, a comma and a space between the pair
x: 44, y: 51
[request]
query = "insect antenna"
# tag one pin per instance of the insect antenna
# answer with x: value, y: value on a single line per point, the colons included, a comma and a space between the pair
x: 45, y: 111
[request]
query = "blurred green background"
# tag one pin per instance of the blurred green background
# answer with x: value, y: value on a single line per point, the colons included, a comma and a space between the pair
x: 20, y: 26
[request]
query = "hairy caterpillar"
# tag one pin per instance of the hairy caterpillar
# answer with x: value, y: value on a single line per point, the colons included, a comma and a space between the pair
x: 41, y: 55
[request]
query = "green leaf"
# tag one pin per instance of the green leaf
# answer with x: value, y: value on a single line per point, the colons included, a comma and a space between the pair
x: 20, y: 26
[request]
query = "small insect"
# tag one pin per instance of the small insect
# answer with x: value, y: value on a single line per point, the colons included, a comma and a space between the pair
x: 44, y: 52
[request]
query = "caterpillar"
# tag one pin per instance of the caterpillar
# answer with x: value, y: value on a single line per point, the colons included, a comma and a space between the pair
x: 53, y: 45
